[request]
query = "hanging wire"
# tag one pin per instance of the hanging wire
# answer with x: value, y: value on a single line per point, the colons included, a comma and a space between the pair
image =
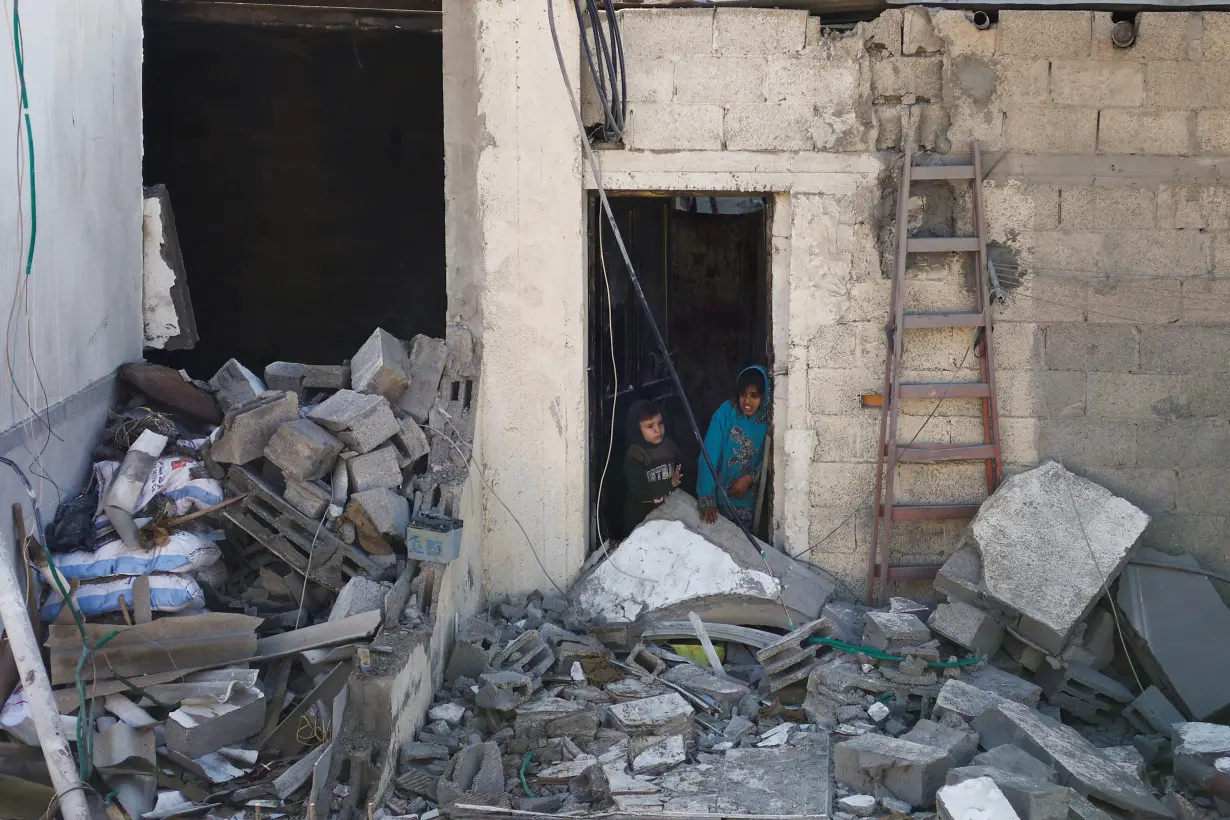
x: 606, y: 66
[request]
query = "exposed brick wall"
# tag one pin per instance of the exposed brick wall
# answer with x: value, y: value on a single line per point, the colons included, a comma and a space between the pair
x: 1110, y: 216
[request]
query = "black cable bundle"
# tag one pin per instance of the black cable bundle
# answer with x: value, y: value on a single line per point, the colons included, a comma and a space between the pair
x: 607, y: 66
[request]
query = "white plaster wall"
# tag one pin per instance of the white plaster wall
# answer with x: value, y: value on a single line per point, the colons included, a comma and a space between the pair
x: 83, y: 74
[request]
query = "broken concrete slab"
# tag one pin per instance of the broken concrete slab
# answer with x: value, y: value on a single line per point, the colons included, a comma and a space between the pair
x: 911, y: 771
x: 1050, y: 541
x: 1080, y: 765
x: 890, y: 631
x: 204, y: 725
x: 1181, y: 629
x: 427, y: 356
x: 724, y: 691
x: 968, y: 626
x: 958, y: 744
x: 658, y: 754
x: 1005, y: 684
x: 388, y: 511
x: 1015, y: 760
x: 381, y: 366
x: 780, y: 780
x: 247, y: 428
x: 660, y: 715
x: 361, y: 420
x: 673, y: 563
x: 1152, y: 712
x: 1128, y: 758
x: 235, y: 385
x: 975, y: 799
x: 302, y: 449
x: 381, y: 468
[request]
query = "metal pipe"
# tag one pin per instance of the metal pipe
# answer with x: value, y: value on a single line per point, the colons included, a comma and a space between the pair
x: 982, y: 20
x: 1123, y: 34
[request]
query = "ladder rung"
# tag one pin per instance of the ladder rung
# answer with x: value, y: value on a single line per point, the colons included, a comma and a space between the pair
x: 940, y: 244
x: 927, y: 453
x: 913, y: 572
x: 934, y: 512
x: 942, y: 172
x: 941, y: 390
x: 961, y: 318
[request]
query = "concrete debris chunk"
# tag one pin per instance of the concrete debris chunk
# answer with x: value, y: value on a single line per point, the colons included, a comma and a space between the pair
x: 286, y: 376
x: 1200, y: 752
x: 658, y: 754
x: 889, y: 632
x: 427, y: 357
x: 388, y: 511
x: 790, y: 659
x: 1128, y: 758
x: 958, y: 744
x: 1005, y: 684
x: 639, y: 657
x: 844, y: 621
x: 966, y: 701
x: 1152, y: 712
x: 308, y: 497
x: 724, y: 691
x: 1016, y: 760
x: 661, y: 715
x: 1050, y: 541
x: 961, y: 576
x: 1031, y: 798
x: 235, y: 385
x: 976, y: 799
x: 1079, y: 763
x: 474, y: 771
x: 859, y: 805
x: 472, y: 651
x: 1181, y: 629
x: 450, y: 713
x: 302, y: 449
x: 326, y: 376
x: 203, y: 725
x: 969, y: 627
x: 911, y: 771
x: 528, y: 654
x: 381, y: 468
x: 358, y: 596
x: 411, y: 440
x: 503, y: 691
x: 361, y: 420
x: 247, y: 428
x: 381, y: 366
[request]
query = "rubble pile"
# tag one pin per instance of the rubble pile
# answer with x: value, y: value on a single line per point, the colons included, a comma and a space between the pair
x: 245, y: 551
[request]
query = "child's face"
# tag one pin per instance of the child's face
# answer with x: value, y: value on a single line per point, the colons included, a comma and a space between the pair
x: 749, y: 400
x: 653, y: 429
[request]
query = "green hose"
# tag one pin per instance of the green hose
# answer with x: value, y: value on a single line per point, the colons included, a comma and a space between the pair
x: 525, y: 785
x: 872, y: 652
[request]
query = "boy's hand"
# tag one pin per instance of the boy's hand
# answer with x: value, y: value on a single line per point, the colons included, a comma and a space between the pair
x: 739, y: 487
x: 677, y: 477
x: 708, y: 514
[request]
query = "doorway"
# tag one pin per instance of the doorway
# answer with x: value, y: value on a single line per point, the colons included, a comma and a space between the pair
x: 703, y: 264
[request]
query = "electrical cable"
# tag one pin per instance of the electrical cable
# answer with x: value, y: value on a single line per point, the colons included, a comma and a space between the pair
x: 592, y: 161
x: 610, y: 324
x: 607, y: 69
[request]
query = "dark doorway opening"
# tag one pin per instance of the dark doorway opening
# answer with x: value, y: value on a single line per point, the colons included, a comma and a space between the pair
x: 305, y: 167
x: 703, y: 264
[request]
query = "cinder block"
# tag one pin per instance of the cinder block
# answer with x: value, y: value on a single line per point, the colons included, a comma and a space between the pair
x: 836, y: 528
x: 1152, y: 489
x: 363, y: 421
x: 427, y: 356
x: 1014, y: 206
x: 1020, y: 440
x: 969, y: 627
x: 1097, y: 83
x: 769, y: 127
x: 381, y: 366
x: 666, y: 32
x: 960, y: 35
x: 1203, y: 297
x: 1045, y: 34
x: 326, y: 376
x: 1193, y: 206
x: 1183, y: 443
x: 759, y: 32
x: 1013, y: 795
x: 1158, y: 301
x: 1135, y: 131
x: 883, y: 34
x: 1168, y: 35
x: 379, y: 468
x: 411, y: 440
x: 1041, y: 394
x: 1051, y: 129
x: 1208, y: 394
x: 892, y: 80
x: 800, y: 80
x: 1134, y: 396
x: 1018, y: 82
x: 720, y: 80
x: 659, y: 127
x: 302, y: 449
x: 911, y: 771
x: 1104, y: 348
x: 838, y: 438
x: 1058, y: 253
x: 1213, y: 133
x: 1202, y: 493
x: 888, y: 631
x: 1107, y: 209
x: 286, y: 376
x: 1173, y: 85
x: 247, y: 429
x: 1216, y: 36
x: 388, y: 511
x: 1183, y: 349
x: 235, y: 385
x: 840, y: 484
x: 1082, y: 443
x: 1018, y: 346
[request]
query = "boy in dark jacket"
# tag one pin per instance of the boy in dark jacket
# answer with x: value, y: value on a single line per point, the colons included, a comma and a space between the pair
x: 651, y: 466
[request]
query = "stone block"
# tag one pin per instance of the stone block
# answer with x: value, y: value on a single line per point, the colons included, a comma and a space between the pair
x: 1005, y: 684
x: 1081, y: 765
x: 1095, y: 83
x: 666, y: 32
x: 1183, y: 349
x: 974, y: 799
x: 720, y: 80
x: 958, y: 744
x: 660, y: 715
x: 388, y: 511
x: 1134, y: 396
x: 888, y: 631
x: 427, y: 356
x: 769, y: 127
x: 379, y: 468
x: 1105, y: 208
x: 1150, y: 253
x: 285, y: 376
x: 1057, y: 34
x: 1159, y: 36
x: 1029, y: 798
x: 1136, y: 131
x: 362, y: 421
x: 1087, y: 347
x: 968, y: 626
x: 913, y: 772
x: 659, y: 755
x: 247, y: 428
x: 1213, y: 133
x: 895, y: 79
x: 1015, y: 760
x: 759, y: 32
x: 381, y: 366
x: 1049, y: 540
x: 235, y: 385
x: 326, y: 376
x: 308, y: 497
x: 302, y: 449
x: 674, y: 127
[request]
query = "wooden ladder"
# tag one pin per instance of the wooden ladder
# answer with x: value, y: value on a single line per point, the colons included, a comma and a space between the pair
x: 880, y: 569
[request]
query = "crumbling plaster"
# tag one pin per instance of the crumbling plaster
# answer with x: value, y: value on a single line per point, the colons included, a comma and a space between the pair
x: 1120, y: 380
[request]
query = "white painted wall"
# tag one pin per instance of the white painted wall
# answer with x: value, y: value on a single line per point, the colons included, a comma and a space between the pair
x: 83, y: 75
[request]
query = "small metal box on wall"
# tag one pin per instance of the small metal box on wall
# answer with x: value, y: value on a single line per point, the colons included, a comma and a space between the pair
x: 433, y: 538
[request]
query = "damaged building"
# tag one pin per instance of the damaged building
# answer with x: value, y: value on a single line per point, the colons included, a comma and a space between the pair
x: 367, y: 265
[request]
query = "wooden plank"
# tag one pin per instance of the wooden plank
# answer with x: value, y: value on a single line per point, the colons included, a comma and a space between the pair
x: 941, y: 244
x: 943, y: 172
x: 963, y: 318
x: 347, y: 630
